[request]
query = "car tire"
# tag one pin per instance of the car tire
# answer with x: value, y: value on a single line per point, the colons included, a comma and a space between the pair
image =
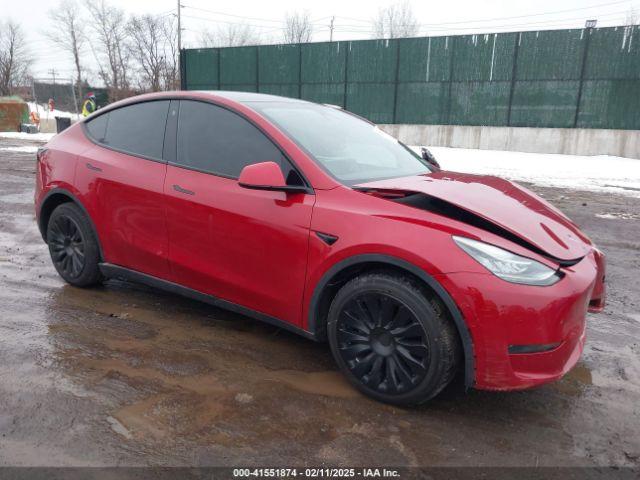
x: 73, y: 246
x: 393, y: 338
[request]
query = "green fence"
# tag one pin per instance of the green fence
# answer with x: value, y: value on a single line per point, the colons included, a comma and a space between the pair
x: 585, y: 78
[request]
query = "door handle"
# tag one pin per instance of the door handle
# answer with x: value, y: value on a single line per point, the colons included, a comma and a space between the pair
x: 178, y: 188
x: 91, y: 167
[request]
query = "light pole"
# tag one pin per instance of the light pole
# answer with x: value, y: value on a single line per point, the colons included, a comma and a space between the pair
x: 331, y: 29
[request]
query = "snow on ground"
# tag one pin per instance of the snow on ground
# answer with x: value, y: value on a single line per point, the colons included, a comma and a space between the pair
x: 600, y: 173
x: 37, y: 137
x: 22, y: 149
x: 45, y: 113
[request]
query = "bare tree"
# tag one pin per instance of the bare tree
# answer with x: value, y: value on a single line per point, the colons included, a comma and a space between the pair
x: 395, y: 21
x: 67, y: 31
x: 154, y: 51
x: 230, y: 35
x: 110, y: 28
x: 298, y: 27
x: 15, y: 59
x: 146, y: 41
x: 170, y: 75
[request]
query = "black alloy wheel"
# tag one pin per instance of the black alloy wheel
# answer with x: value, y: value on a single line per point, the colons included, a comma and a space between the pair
x: 74, y: 250
x: 382, y: 343
x: 67, y: 246
x: 393, y: 338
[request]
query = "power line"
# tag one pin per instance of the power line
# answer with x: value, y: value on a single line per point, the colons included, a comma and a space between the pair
x: 213, y: 20
x: 438, y: 27
x: 231, y: 15
x: 458, y: 22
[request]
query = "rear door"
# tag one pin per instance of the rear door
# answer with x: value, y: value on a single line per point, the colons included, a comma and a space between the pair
x: 122, y: 180
x: 245, y: 246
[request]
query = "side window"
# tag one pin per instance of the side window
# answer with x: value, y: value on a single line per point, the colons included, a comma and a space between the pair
x: 97, y: 128
x: 214, y: 140
x: 137, y: 129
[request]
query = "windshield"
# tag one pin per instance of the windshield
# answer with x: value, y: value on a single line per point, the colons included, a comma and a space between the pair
x: 349, y: 148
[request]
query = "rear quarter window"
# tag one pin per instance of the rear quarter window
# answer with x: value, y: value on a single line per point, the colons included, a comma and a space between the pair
x: 97, y: 128
x: 135, y: 129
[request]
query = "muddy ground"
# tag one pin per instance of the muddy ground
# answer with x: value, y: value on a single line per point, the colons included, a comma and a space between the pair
x: 129, y: 375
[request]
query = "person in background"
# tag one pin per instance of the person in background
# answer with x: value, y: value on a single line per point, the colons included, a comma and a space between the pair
x: 89, y: 105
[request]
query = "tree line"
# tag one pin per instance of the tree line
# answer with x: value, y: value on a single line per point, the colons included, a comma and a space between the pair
x: 139, y: 53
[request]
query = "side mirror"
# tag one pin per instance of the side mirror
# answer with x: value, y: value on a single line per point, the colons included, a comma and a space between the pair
x: 429, y: 158
x: 267, y: 176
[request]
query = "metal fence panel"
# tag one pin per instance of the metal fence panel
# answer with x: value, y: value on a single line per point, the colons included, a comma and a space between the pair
x: 372, y: 61
x: 610, y: 104
x: 550, y: 55
x: 423, y: 103
x: 239, y: 87
x: 483, y: 57
x: 479, y: 103
x: 614, y: 54
x: 425, y: 59
x: 371, y: 100
x: 560, y: 78
x: 239, y: 66
x: 324, y: 62
x: 291, y: 90
x: 332, y: 93
x: 202, y: 69
x: 544, y: 104
x: 279, y: 64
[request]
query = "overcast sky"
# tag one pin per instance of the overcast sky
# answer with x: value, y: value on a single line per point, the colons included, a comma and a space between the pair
x: 437, y: 17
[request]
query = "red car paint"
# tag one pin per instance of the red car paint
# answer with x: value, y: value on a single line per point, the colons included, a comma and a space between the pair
x: 259, y: 249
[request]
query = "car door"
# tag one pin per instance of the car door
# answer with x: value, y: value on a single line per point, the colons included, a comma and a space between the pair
x: 248, y: 247
x: 122, y: 177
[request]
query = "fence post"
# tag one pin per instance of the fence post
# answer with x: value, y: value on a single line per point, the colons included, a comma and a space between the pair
x: 257, y: 69
x: 219, y: 73
x: 395, y: 86
x: 183, y: 69
x: 514, y: 72
x: 346, y: 76
x: 453, y: 51
x: 582, y: 72
x: 300, y: 70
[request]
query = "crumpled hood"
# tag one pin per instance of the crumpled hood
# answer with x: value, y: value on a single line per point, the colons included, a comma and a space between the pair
x: 503, y: 203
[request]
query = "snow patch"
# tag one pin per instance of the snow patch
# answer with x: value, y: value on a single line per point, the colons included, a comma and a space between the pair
x: 23, y: 149
x: 46, y: 114
x: 38, y: 137
x: 600, y: 173
x: 619, y: 216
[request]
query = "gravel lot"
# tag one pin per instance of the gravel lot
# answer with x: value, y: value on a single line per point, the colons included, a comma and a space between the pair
x: 128, y: 375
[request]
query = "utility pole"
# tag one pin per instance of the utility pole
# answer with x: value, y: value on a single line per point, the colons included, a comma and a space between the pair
x: 179, y: 28
x: 331, y: 29
x: 52, y: 72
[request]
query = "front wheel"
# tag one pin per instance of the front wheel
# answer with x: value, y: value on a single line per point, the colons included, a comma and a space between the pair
x: 73, y: 246
x: 392, y: 338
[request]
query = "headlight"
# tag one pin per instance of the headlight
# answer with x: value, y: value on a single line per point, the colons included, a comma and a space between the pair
x: 508, y: 266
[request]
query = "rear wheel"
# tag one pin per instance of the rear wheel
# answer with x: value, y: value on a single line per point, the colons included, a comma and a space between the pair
x: 73, y: 246
x: 392, y: 338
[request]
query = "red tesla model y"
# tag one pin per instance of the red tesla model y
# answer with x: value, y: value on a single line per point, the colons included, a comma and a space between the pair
x: 311, y: 218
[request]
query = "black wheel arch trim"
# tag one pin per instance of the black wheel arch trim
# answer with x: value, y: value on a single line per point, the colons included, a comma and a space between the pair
x: 315, y: 326
x: 74, y: 199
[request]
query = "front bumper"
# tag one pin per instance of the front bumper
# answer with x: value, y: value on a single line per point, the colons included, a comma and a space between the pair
x: 501, y: 315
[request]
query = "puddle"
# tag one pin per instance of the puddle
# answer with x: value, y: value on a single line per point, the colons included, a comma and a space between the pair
x: 574, y: 382
x: 330, y: 383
